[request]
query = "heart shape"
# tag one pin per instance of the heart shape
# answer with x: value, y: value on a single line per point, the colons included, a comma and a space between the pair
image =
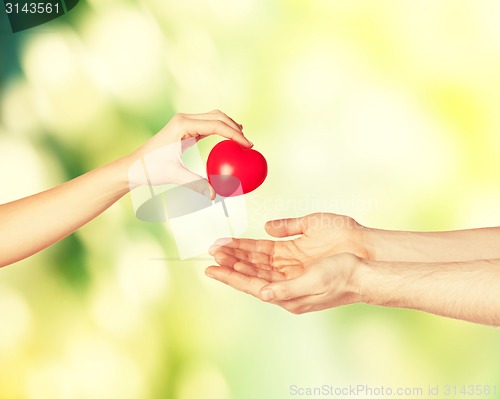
x: 234, y: 170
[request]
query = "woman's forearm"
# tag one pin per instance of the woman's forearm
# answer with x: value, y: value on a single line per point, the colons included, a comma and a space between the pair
x: 446, y: 246
x: 461, y: 290
x: 33, y: 223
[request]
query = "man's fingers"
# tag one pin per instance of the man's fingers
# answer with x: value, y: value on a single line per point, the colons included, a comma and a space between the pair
x: 304, y: 285
x: 219, y: 244
x: 228, y: 256
x: 225, y: 259
x: 255, y: 258
x: 239, y: 281
x: 244, y: 244
x: 253, y: 271
x: 265, y: 254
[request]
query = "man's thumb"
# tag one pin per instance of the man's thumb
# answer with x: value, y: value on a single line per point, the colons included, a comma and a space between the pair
x: 285, y: 227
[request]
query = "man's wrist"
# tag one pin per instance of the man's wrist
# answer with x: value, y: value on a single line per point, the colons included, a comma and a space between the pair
x: 377, y: 283
x: 393, y: 245
x: 363, y: 279
x: 373, y: 240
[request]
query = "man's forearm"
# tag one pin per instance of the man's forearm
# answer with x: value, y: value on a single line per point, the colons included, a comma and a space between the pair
x: 33, y: 223
x: 446, y: 246
x: 462, y: 290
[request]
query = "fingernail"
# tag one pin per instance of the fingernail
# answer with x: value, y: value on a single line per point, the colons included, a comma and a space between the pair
x: 250, y: 142
x: 267, y: 294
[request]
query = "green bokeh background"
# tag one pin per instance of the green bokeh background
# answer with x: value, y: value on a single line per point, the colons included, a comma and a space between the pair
x: 384, y: 110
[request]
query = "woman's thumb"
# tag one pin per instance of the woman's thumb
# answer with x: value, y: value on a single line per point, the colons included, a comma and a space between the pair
x: 196, y: 183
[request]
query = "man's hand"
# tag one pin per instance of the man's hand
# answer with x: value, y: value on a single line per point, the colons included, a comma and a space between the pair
x: 318, y: 265
x: 321, y: 234
x: 331, y: 265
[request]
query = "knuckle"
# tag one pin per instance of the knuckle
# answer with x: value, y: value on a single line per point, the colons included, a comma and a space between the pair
x: 221, y: 258
x: 253, y: 257
x: 271, y: 260
x: 314, y: 220
x: 218, y: 124
x: 179, y: 119
x: 225, y: 119
x: 283, y: 293
x: 240, y: 254
x: 315, y: 214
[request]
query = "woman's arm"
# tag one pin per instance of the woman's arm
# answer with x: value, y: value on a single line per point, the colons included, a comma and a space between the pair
x: 33, y: 223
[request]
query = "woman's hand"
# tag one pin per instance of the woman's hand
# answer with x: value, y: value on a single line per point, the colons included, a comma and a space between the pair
x: 31, y: 224
x: 159, y: 160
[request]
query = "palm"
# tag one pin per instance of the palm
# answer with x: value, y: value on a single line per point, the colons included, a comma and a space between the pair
x: 322, y: 235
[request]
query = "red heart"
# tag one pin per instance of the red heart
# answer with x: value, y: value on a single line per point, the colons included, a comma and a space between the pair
x: 231, y: 166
